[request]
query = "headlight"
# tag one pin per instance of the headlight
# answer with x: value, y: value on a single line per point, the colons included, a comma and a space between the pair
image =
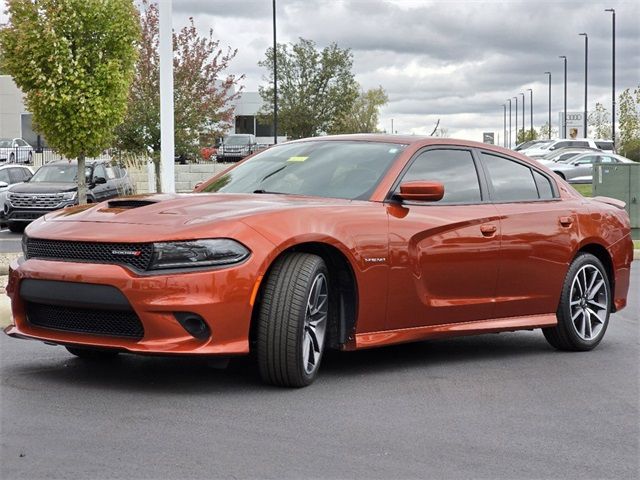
x: 197, y: 253
x: 69, y: 195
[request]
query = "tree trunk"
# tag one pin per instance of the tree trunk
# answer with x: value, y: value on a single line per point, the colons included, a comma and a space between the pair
x: 156, y: 162
x: 82, y: 181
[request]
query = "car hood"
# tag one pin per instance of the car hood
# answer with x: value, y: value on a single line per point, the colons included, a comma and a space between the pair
x: 187, y: 210
x: 42, y: 187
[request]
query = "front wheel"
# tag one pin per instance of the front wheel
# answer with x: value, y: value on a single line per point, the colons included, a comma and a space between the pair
x: 293, y: 319
x: 585, y: 304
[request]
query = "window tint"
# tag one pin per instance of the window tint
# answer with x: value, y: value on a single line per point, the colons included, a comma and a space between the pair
x: 566, y: 156
x: 607, y: 159
x: 511, y: 181
x: 587, y: 160
x: 580, y: 144
x: 545, y: 190
x: 98, y: 171
x: 453, y: 168
x: 16, y: 175
x: 560, y: 145
x: 605, y: 145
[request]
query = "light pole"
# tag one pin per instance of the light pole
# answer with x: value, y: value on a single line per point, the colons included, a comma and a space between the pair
x: 564, y: 113
x: 516, y: 99
x: 523, y: 109
x: 275, y: 78
x: 549, y: 73
x: 586, y: 65
x: 509, y: 100
x: 613, y: 75
x: 504, y: 125
x: 531, y: 110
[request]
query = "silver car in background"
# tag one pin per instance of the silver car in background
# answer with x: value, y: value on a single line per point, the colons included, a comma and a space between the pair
x: 11, y: 174
x: 580, y: 168
x: 563, y: 155
x: 15, y: 150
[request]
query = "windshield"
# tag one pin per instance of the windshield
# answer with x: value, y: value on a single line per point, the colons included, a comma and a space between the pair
x: 6, y: 142
x: 59, y: 173
x: 237, y: 140
x: 336, y: 169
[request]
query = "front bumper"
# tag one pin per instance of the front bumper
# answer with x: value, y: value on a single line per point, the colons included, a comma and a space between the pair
x: 223, y: 298
x: 18, y: 214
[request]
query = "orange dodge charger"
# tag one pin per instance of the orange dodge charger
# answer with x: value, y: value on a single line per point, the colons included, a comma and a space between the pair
x: 342, y: 242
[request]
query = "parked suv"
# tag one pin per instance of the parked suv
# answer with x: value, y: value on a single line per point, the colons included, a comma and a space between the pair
x: 54, y: 186
x: 538, y: 151
x: 236, y: 146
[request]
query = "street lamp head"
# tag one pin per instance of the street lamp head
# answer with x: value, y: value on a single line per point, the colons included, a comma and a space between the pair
x: 529, y: 89
x: 610, y: 10
x: 547, y: 73
x: 562, y: 56
x: 583, y: 34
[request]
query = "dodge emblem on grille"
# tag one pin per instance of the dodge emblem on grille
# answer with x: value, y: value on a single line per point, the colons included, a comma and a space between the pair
x: 126, y: 253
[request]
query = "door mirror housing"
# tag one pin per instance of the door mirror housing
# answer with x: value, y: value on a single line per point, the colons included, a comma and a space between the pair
x: 4, y: 184
x: 421, y: 191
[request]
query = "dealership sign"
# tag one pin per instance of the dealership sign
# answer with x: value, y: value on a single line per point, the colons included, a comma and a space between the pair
x: 575, y: 124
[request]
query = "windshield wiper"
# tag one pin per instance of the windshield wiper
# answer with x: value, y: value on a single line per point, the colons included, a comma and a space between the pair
x: 266, y: 191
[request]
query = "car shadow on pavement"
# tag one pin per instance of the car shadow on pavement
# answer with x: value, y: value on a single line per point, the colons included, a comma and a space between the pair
x: 196, y: 375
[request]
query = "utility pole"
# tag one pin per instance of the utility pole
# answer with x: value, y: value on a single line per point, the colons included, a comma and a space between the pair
x: 586, y: 67
x: 516, y: 142
x: 167, y: 142
x: 564, y: 113
x: 509, y: 143
x: 549, y: 73
x: 275, y: 78
x: 531, y: 109
x: 504, y: 125
x: 613, y: 75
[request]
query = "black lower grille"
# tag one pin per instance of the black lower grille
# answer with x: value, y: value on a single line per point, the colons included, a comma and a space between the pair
x: 135, y: 255
x: 83, y: 320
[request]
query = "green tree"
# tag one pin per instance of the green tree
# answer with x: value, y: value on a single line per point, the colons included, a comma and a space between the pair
x: 74, y: 60
x: 600, y: 122
x: 202, y: 95
x: 316, y: 88
x: 544, y: 131
x: 364, y: 114
x: 526, y: 135
x: 629, y: 119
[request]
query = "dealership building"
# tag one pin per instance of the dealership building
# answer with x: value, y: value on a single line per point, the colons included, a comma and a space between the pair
x: 16, y: 120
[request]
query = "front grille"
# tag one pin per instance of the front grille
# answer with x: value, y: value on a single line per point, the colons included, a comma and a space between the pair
x: 36, y: 200
x: 134, y: 255
x: 84, y: 320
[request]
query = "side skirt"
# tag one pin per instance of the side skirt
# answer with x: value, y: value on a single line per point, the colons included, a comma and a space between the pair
x: 403, y: 335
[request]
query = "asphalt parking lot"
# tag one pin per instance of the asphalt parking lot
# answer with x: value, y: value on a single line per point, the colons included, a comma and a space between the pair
x: 492, y: 406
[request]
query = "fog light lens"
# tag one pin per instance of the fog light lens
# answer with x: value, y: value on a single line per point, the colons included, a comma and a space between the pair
x: 194, y: 324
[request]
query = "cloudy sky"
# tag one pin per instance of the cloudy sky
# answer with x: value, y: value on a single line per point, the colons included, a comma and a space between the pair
x: 456, y: 60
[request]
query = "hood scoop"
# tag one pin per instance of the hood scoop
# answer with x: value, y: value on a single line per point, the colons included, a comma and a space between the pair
x: 129, y: 203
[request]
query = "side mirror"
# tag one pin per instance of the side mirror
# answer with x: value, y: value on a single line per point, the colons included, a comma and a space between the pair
x: 421, y: 191
x: 99, y: 180
x: 4, y: 184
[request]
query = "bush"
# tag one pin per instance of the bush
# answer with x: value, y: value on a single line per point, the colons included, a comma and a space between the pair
x: 631, y: 149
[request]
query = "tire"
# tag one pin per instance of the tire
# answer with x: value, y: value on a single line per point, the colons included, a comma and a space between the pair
x: 582, y: 317
x: 17, y: 227
x: 292, y: 320
x: 92, y: 354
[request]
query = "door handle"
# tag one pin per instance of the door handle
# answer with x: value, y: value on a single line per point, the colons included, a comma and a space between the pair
x: 488, y: 229
x: 566, y: 221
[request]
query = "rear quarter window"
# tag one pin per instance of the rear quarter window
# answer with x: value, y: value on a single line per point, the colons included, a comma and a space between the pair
x: 509, y: 180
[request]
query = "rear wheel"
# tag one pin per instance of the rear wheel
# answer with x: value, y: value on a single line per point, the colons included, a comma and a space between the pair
x: 92, y: 354
x: 585, y: 305
x: 292, y: 322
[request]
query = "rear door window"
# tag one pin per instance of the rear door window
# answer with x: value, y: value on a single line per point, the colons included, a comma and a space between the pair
x: 509, y: 180
x: 604, y: 145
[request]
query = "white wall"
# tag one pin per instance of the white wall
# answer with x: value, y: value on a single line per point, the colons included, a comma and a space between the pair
x: 11, y: 108
x: 187, y: 176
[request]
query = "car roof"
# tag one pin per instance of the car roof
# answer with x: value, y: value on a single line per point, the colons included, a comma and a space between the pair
x: 73, y: 162
x: 13, y: 165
